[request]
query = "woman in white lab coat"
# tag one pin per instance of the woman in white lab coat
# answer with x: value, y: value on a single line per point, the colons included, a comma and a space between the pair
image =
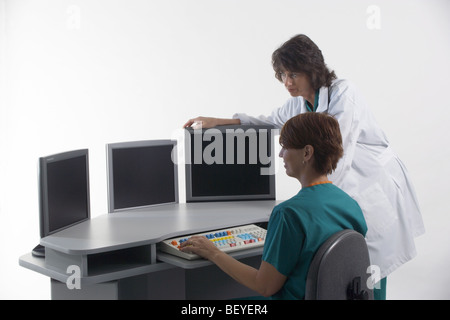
x: 369, y: 171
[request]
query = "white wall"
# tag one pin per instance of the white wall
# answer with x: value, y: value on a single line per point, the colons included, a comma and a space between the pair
x: 80, y: 74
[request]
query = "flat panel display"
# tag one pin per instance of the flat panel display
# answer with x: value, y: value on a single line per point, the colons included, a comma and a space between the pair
x: 64, y: 198
x: 141, y: 174
x: 230, y: 163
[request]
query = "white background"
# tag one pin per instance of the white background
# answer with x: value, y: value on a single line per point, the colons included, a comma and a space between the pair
x: 81, y: 74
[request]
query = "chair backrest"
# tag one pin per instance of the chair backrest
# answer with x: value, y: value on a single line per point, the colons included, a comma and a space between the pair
x: 339, y: 269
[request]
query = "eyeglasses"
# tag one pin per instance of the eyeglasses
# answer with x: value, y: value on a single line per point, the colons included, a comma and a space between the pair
x: 284, y: 75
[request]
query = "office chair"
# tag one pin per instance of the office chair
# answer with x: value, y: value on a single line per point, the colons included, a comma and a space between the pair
x: 338, y: 270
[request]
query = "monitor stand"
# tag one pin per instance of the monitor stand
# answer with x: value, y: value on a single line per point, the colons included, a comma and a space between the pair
x: 38, y: 251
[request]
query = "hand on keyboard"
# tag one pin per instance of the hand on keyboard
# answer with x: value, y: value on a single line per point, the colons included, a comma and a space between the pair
x: 227, y: 240
x: 201, y: 246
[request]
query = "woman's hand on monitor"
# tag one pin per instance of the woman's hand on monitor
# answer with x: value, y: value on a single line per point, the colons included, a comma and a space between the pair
x: 209, y: 122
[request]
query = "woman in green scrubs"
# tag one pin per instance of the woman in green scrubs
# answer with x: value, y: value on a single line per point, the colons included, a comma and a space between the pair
x: 311, y: 147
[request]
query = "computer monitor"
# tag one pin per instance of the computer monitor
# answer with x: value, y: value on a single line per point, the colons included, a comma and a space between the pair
x: 141, y: 174
x: 64, y: 198
x: 228, y: 163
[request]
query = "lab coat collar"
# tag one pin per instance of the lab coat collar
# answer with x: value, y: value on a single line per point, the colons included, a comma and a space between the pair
x: 323, y: 100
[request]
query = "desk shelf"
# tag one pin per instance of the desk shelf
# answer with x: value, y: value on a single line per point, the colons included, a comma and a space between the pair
x: 102, y: 274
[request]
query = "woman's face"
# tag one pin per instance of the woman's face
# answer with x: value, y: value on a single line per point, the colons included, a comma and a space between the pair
x: 297, y: 84
x: 292, y: 161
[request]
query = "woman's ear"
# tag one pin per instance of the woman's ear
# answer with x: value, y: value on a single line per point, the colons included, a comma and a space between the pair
x: 309, y: 152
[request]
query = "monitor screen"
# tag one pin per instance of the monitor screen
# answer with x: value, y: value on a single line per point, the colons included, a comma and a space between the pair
x: 63, y: 192
x: 230, y: 163
x: 141, y: 174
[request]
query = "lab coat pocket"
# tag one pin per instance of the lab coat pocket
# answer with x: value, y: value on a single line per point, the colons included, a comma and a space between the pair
x: 377, y: 209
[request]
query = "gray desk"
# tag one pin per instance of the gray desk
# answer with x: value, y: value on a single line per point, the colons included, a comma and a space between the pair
x: 118, y: 258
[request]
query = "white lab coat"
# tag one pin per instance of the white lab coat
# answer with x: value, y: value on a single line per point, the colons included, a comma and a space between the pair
x: 369, y: 171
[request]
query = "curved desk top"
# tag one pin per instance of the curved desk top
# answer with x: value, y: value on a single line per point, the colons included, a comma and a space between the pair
x: 137, y: 227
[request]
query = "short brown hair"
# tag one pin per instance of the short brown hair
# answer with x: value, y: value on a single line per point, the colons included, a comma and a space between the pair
x: 301, y: 54
x: 321, y: 131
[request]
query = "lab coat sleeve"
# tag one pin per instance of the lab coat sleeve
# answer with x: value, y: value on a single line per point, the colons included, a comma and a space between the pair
x: 278, y: 116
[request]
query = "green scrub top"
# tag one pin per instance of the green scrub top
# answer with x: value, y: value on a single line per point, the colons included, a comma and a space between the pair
x: 316, y: 103
x: 297, y: 227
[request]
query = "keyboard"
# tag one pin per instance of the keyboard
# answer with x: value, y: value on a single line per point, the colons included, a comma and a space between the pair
x: 227, y: 240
